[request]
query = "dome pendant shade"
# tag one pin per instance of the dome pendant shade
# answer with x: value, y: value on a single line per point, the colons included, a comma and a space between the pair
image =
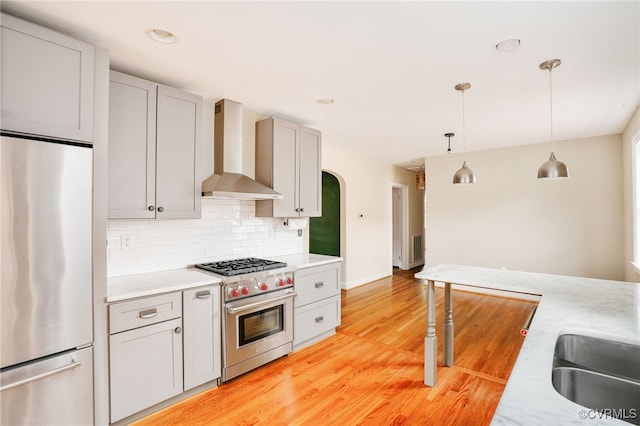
x: 553, y: 169
x: 464, y: 175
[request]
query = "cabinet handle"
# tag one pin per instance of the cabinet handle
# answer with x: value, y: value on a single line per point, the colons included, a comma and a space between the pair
x: 301, y: 209
x: 160, y: 209
x: 148, y: 313
x: 178, y: 330
x: 320, y: 318
x: 151, y: 208
x: 319, y: 285
x: 297, y: 209
x: 203, y: 294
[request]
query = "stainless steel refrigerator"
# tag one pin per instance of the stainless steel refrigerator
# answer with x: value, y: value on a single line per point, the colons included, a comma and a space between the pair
x: 46, y: 323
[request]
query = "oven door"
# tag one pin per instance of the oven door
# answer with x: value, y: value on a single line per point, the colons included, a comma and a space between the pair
x: 257, y: 324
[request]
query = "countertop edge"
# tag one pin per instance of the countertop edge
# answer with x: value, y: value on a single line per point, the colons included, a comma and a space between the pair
x: 134, y: 286
x: 307, y: 260
x: 155, y: 283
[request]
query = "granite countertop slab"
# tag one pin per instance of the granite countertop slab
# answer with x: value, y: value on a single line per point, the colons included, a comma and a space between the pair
x: 152, y: 283
x: 594, y: 307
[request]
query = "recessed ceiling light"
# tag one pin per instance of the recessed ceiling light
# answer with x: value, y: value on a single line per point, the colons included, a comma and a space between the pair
x: 508, y: 45
x: 161, y: 36
x: 325, y: 101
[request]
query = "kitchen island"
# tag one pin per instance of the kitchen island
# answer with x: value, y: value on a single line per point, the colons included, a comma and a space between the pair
x: 594, y: 307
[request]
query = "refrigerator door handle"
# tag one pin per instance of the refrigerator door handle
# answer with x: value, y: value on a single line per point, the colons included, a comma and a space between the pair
x: 75, y: 362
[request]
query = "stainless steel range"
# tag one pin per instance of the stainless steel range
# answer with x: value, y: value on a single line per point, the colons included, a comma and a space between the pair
x: 257, y: 314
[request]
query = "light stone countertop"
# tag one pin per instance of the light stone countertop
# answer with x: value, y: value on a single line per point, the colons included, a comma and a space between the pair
x: 152, y: 283
x: 148, y: 284
x: 306, y: 260
x: 600, y: 308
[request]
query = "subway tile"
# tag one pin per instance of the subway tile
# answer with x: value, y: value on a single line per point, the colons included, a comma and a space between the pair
x: 228, y: 229
x: 126, y: 225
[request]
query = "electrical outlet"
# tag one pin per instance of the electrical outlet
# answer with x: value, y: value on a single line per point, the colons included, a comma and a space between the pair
x: 125, y: 241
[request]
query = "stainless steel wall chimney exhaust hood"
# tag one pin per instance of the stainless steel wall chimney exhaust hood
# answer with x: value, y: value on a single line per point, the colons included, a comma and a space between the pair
x: 228, y: 181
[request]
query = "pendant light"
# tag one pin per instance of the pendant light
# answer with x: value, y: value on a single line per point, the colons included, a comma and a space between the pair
x: 449, y: 136
x: 465, y: 174
x: 552, y: 168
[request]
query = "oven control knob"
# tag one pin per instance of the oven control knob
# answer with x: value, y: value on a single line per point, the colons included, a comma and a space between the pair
x: 233, y: 292
x: 280, y: 282
x: 289, y: 280
x: 244, y: 290
x: 263, y: 286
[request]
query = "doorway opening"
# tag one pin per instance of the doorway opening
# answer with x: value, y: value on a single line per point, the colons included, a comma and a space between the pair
x: 324, y: 231
x: 400, y: 220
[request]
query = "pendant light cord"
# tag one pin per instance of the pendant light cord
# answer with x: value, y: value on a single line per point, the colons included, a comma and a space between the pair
x: 551, y: 108
x: 464, y: 130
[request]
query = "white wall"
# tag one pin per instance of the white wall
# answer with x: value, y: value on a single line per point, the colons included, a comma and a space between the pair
x: 367, y: 187
x: 630, y: 134
x: 511, y: 219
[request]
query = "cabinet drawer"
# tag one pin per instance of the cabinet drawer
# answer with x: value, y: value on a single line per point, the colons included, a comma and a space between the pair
x: 317, y: 283
x: 315, y: 319
x: 140, y: 312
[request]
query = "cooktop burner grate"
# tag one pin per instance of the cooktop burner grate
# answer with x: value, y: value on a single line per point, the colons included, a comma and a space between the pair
x: 247, y: 265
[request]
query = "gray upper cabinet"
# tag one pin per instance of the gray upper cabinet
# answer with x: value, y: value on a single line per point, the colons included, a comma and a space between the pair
x: 46, y: 82
x: 289, y: 160
x: 154, y: 137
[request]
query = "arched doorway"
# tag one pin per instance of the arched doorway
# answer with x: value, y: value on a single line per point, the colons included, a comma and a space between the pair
x: 324, y: 231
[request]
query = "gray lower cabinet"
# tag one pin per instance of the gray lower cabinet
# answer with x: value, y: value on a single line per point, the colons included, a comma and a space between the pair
x: 202, y: 350
x: 317, y: 306
x: 47, y: 82
x: 161, y: 346
x: 154, y: 139
x: 145, y: 353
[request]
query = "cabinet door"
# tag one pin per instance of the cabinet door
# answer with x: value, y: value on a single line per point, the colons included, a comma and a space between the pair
x: 178, y: 184
x: 202, y: 345
x: 310, y: 172
x: 47, y: 82
x: 286, y: 136
x: 132, y: 147
x: 146, y: 367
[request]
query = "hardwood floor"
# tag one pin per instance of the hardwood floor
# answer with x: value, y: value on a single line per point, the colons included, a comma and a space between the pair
x: 371, y: 371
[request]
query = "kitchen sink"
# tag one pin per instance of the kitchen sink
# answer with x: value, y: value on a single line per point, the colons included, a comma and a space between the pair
x: 606, y: 394
x: 606, y: 356
x: 600, y: 374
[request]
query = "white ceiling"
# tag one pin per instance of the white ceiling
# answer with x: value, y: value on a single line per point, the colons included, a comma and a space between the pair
x: 390, y: 66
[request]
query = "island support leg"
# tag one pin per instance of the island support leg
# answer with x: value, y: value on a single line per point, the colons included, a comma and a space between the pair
x: 447, y: 349
x: 430, y: 340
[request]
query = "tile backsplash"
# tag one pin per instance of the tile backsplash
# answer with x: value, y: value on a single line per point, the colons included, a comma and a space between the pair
x: 228, y: 229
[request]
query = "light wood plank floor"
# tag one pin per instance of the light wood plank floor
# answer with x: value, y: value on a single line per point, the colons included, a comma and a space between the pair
x: 371, y: 371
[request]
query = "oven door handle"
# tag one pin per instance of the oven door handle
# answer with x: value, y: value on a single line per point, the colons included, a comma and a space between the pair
x: 234, y: 310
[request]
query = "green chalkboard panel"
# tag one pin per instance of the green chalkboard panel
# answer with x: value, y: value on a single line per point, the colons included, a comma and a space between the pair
x: 324, y: 232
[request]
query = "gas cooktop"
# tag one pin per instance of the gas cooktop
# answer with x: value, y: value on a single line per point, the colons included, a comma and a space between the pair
x: 234, y: 267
